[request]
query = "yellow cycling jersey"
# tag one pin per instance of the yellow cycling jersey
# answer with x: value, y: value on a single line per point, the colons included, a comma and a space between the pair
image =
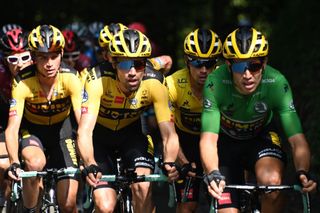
x: 186, y: 107
x: 115, y: 110
x: 29, y: 99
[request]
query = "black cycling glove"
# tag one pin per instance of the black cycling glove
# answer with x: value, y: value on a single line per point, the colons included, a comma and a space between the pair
x: 94, y: 169
x: 184, y: 169
x: 214, y: 175
x: 164, y: 171
x: 13, y: 168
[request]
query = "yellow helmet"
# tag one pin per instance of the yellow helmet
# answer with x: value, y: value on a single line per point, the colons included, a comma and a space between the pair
x: 244, y: 43
x: 46, y: 38
x: 202, y: 43
x: 130, y: 43
x: 107, y: 33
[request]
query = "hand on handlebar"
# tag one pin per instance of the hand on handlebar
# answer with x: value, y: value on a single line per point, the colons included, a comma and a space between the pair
x: 93, y: 173
x: 215, y: 182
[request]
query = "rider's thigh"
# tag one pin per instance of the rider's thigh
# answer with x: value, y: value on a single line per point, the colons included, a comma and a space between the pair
x: 105, y: 199
x: 269, y: 171
x: 34, y: 158
x: 4, y: 160
x: 187, y: 207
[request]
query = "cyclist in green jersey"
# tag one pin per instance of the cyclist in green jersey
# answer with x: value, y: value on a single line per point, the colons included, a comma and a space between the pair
x: 202, y: 47
x: 240, y: 100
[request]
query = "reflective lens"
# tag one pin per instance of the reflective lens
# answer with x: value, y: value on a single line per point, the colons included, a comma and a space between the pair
x: 137, y: 64
x: 241, y: 67
x: 73, y: 56
x: 198, y: 63
x: 13, y: 59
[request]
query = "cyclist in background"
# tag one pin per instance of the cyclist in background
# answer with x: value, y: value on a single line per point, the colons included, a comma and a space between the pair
x: 202, y: 48
x: 110, y: 121
x: 73, y: 55
x: 94, y: 29
x: 42, y: 95
x: 238, y: 131
x: 13, y: 44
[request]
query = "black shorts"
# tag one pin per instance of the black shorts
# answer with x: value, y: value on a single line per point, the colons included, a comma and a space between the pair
x: 189, y: 143
x: 236, y: 156
x: 129, y: 143
x: 55, y: 140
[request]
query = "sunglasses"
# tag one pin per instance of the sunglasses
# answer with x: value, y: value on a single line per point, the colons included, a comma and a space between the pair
x: 198, y: 63
x: 72, y: 56
x: 241, y: 67
x: 13, y: 59
x: 128, y: 64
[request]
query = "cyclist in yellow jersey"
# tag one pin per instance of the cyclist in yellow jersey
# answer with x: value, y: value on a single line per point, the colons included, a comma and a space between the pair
x: 202, y: 48
x: 110, y: 121
x: 42, y: 95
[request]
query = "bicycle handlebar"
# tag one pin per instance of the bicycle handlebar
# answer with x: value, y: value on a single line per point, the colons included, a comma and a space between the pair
x: 268, y: 188
x: 65, y: 171
x: 138, y: 178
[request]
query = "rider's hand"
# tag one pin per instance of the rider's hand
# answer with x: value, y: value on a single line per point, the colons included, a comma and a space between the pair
x: 170, y: 170
x: 14, y: 170
x: 307, y: 182
x: 215, y: 182
x: 187, y: 169
x: 93, y: 174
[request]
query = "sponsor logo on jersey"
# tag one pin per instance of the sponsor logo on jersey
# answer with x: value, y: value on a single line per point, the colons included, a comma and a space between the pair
x: 12, y: 102
x: 133, y: 101
x: 291, y: 105
x: 260, y: 107
x: 286, y: 88
x: 84, y: 96
x: 119, y: 100
x: 207, y: 103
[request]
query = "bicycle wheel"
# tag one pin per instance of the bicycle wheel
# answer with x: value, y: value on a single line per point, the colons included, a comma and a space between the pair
x: 51, y: 209
x: 124, y: 205
x: 14, y: 207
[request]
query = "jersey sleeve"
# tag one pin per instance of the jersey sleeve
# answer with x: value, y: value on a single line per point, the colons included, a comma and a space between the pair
x: 75, y: 88
x: 18, y: 94
x: 172, y: 91
x: 285, y: 108
x: 210, y: 117
x: 160, y: 98
x: 92, y: 93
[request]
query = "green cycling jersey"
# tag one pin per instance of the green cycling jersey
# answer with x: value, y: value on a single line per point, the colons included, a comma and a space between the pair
x: 243, y: 116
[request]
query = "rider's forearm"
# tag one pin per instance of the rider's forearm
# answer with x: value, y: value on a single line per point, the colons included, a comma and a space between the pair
x: 85, y: 147
x: 170, y: 148
x: 209, y: 152
x: 181, y: 159
x: 300, y: 152
x: 12, y: 145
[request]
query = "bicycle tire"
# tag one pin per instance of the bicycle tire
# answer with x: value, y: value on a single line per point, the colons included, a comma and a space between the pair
x: 14, y: 207
x: 51, y: 209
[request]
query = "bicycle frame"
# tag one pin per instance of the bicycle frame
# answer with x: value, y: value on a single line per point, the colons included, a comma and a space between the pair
x: 267, y: 189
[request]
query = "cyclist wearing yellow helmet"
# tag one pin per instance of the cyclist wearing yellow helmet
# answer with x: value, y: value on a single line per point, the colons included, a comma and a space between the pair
x: 42, y: 95
x: 202, y: 48
x: 110, y: 120
x: 240, y: 101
